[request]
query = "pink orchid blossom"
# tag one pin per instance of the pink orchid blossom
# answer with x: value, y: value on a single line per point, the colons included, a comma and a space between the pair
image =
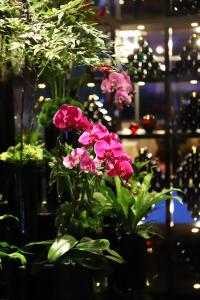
x: 87, y: 164
x: 68, y: 117
x: 124, y: 169
x: 119, y: 167
x: 71, y: 161
x: 94, y: 133
x: 82, y: 124
x: 108, y: 147
x: 121, y: 96
x: 106, y: 86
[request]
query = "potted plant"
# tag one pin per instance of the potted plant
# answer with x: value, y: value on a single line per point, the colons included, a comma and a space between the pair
x: 131, y: 204
x: 11, y: 256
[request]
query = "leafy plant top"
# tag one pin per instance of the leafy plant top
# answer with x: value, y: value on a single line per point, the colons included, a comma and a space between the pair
x: 48, y: 36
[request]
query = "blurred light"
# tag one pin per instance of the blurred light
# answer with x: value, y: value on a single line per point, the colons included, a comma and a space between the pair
x: 41, y: 86
x: 193, y: 81
x: 162, y: 67
x: 178, y: 243
x: 183, y: 251
x: 196, y: 286
x: 171, y: 224
x: 194, y: 24
x: 195, y: 230
x: 198, y: 42
x: 140, y: 27
x: 197, y: 224
x: 121, y: 2
x: 187, y: 259
x: 93, y: 96
x: 97, y: 283
x: 90, y: 84
x: 147, y: 282
x: 41, y: 99
x: 159, y: 49
x: 150, y: 250
x: 197, y: 29
x: 129, y: 33
x: 195, y: 219
x: 171, y: 207
x: 141, y: 83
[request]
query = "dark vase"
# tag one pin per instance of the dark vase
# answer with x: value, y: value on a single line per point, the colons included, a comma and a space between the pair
x: 128, y: 279
x: 22, y: 188
x: 66, y: 282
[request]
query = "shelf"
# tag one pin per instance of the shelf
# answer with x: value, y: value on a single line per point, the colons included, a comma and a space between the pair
x: 160, y: 134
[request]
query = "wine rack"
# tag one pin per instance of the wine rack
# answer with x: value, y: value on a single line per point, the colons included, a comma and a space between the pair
x: 188, y: 178
x: 152, y: 165
x: 189, y: 114
x: 143, y: 64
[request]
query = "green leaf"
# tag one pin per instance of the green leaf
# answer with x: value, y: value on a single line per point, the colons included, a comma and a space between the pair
x: 60, y: 247
x: 17, y: 255
x: 93, y: 245
x: 8, y: 216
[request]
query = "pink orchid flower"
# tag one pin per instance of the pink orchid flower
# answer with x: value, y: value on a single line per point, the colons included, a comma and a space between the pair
x: 68, y: 117
x: 94, y: 133
x: 108, y: 147
x: 121, y: 96
x: 82, y: 124
x: 106, y: 86
x: 71, y: 161
x: 87, y: 164
x: 119, y: 167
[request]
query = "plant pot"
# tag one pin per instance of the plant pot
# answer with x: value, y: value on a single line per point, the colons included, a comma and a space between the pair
x: 129, y: 277
x: 67, y: 282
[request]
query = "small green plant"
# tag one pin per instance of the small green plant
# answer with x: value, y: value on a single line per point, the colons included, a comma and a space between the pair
x: 34, y: 153
x: 131, y: 204
x: 9, y: 251
x: 90, y: 253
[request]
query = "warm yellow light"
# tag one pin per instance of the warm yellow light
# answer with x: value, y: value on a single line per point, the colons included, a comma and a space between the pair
x: 193, y: 81
x: 194, y: 149
x: 196, y: 286
x: 171, y: 224
x: 41, y: 99
x: 147, y: 282
x: 93, y: 97
x: 198, y: 42
x: 90, y: 84
x: 41, y: 86
x: 140, y: 27
x: 197, y: 29
x: 159, y: 49
x: 194, y: 24
x: 141, y: 83
x: 195, y: 230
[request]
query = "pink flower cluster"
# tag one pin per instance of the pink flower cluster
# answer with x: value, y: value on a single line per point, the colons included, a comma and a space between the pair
x: 96, y: 139
x: 120, y: 84
x: 70, y: 117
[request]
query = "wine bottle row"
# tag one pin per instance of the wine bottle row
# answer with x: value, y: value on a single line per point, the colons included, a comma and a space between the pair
x: 189, y: 114
x: 158, y: 181
x: 189, y: 63
x: 142, y: 63
x: 95, y: 111
x: 187, y: 178
x: 185, y: 7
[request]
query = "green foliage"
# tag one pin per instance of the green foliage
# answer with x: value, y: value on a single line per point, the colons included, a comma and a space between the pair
x: 49, y: 36
x: 130, y: 205
x: 50, y: 107
x: 8, y: 251
x: 29, y: 153
x: 90, y: 253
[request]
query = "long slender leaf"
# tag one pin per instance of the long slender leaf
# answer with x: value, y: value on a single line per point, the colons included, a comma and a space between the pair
x: 60, y: 247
